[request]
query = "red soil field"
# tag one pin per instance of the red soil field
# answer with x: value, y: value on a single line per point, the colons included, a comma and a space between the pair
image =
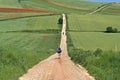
x: 21, y: 10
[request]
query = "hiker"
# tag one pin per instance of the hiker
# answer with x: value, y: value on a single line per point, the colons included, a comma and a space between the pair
x: 59, y: 52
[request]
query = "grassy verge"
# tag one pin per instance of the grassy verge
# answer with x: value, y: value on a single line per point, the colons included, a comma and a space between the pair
x: 102, y: 65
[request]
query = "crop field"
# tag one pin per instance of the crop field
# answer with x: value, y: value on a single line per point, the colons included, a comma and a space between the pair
x: 94, y: 40
x: 26, y: 38
x: 34, y: 23
x: 26, y: 41
x: 80, y: 3
x: 40, y: 4
x: 10, y: 3
x: 12, y: 15
x: 91, y: 47
x: 20, y: 51
x: 87, y: 31
x: 92, y: 22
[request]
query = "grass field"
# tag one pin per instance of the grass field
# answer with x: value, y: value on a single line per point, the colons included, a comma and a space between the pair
x: 32, y: 23
x: 87, y: 39
x: 92, y: 22
x: 41, y: 4
x: 80, y: 3
x: 9, y: 3
x: 20, y: 51
x: 94, y: 40
x: 114, y: 9
x: 87, y: 31
x: 25, y: 42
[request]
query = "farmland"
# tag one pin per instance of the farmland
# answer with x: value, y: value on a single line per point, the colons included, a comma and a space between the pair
x: 28, y: 23
x: 80, y: 3
x: 40, y: 4
x: 92, y: 22
x: 26, y: 38
x: 9, y: 3
x: 94, y: 40
x: 90, y: 29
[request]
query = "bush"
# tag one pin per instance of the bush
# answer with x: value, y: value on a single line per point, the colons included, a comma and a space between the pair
x: 111, y: 30
x: 60, y: 21
x: 98, y: 52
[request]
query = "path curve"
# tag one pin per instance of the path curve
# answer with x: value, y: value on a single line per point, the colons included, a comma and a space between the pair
x: 53, y: 68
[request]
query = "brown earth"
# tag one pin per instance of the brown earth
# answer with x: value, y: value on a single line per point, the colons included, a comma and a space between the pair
x: 22, y: 10
x: 54, y: 68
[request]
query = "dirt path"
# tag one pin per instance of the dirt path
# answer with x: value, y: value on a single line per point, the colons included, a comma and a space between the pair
x: 57, y: 69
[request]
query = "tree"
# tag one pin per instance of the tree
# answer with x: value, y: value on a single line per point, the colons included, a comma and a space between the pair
x: 109, y: 29
x: 60, y: 21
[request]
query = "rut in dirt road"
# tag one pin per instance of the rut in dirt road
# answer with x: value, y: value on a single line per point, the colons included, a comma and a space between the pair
x: 53, y: 68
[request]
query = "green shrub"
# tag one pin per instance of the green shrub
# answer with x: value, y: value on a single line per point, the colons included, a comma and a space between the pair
x: 60, y: 21
x: 111, y: 30
x: 98, y: 52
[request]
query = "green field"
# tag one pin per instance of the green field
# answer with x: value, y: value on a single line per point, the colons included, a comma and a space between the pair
x: 33, y: 23
x: 87, y: 31
x: 9, y: 3
x: 26, y: 39
x: 94, y: 40
x: 114, y: 9
x: 41, y: 4
x: 80, y: 3
x: 90, y: 46
x: 92, y: 22
x: 21, y: 51
x: 25, y: 42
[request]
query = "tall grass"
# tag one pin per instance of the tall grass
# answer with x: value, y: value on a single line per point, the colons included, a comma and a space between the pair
x: 105, y: 66
x: 101, y: 64
x: 21, y: 51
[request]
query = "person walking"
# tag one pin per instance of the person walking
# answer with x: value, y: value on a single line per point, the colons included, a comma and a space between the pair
x: 59, y: 52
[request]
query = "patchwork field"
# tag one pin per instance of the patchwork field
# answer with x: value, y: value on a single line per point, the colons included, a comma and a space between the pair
x: 27, y: 38
x: 40, y: 4
x: 87, y: 31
